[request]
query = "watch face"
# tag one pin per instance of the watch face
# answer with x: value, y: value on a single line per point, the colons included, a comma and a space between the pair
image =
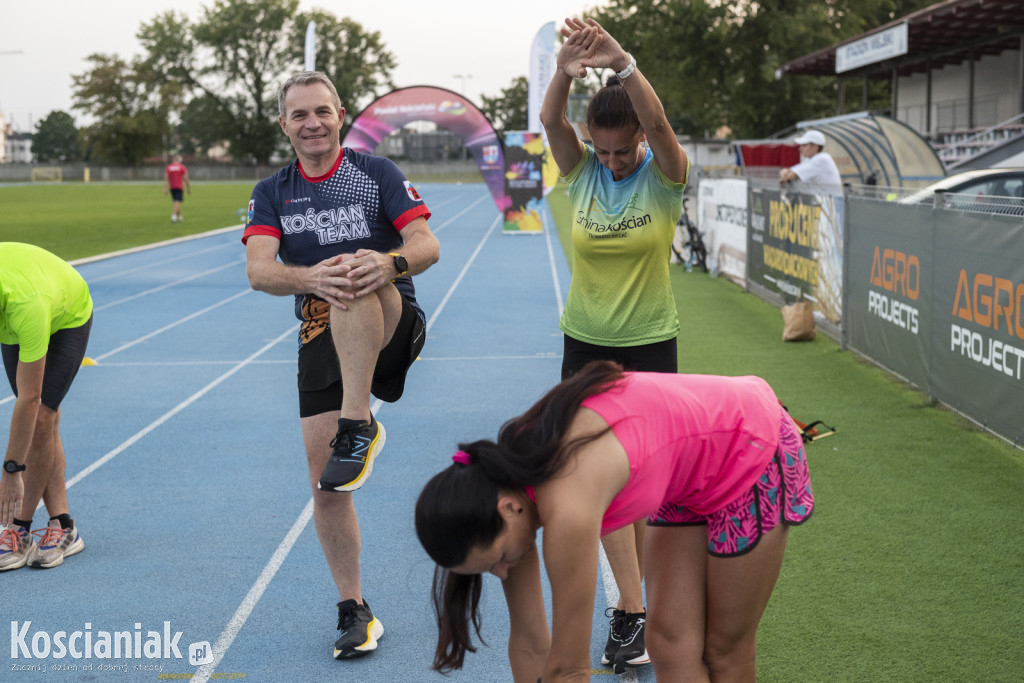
x: 12, y: 467
x: 401, y: 264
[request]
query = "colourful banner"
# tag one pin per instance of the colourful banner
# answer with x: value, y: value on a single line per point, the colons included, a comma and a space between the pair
x: 448, y: 110
x: 794, y: 247
x: 524, y: 185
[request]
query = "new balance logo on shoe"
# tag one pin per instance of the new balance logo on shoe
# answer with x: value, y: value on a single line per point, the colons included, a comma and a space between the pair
x: 355, y: 447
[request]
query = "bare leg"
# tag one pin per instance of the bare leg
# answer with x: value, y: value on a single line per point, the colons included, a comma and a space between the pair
x: 676, y: 561
x: 334, y: 513
x: 359, y: 334
x: 738, y: 592
x: 45, y: 478
x: 620, y: 548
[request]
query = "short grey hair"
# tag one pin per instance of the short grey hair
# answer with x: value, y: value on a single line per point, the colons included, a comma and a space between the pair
x: 307, y: 78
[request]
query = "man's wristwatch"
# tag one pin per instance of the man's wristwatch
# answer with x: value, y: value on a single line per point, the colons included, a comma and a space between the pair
x: 401, y: 265
x: 12, y: 467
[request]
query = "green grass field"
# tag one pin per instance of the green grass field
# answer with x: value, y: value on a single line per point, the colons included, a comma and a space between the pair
x: 912, y: 567
x: 75, y: 220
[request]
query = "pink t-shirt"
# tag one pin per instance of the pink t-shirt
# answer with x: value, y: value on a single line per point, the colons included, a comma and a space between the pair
x: 699, y: 441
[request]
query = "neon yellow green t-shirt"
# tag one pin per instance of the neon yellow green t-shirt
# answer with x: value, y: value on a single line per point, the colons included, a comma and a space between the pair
x: 620, y: 293
x: 40, y: 293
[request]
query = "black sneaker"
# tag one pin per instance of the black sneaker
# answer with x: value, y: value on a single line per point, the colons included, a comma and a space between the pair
x: 617, y: 618
x: 351, y: 461
x: 632, y: 651
x: 360, y: 630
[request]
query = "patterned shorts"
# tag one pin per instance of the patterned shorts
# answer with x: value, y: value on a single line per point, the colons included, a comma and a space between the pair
x: 781, y: 494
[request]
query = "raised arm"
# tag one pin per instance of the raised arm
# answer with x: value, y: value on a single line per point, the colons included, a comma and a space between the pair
x: 566, y: 148
x: 668, y: 154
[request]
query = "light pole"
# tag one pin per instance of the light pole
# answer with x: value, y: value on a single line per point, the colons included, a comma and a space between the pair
x: 462, y: 81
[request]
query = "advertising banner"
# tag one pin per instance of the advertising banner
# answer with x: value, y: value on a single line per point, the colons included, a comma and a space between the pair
x: 448, y: 110
x: 978, y: 354
x: 722, y: 218
x: 524, y: 185
x: 794, y: 247
x: 887, y: 314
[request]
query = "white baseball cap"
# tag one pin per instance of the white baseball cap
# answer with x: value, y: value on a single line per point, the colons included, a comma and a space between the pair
x: 811, y: 136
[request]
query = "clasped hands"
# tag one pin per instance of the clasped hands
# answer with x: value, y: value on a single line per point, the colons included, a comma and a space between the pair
x: 346, y: 277
x: 588, y: 45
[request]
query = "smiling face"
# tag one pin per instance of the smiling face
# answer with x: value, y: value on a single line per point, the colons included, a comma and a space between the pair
x: 515, y: 541
x: 313, y: 123
x: 618, y: 149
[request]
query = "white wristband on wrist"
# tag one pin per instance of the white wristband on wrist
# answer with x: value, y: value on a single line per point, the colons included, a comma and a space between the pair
x: 628, y: 71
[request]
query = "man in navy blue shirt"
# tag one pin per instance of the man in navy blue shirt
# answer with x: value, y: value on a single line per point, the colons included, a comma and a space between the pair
x: 349, y: 230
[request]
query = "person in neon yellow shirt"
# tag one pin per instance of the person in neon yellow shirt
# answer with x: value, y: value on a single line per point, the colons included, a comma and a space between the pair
x: 45, y: 319
x: 626, y: 199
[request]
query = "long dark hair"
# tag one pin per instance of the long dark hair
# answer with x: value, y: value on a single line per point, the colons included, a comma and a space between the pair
x: 458, y: 508
x: 611, y: 108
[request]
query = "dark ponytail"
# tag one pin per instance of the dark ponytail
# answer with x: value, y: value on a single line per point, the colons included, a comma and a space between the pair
x: 610, y: 108
x: 458, y: 508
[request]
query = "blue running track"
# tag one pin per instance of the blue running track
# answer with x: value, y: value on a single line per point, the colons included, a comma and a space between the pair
x: 187, y: 476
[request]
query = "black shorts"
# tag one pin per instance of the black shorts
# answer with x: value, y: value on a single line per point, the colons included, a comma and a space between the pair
x: 178, y: 195
x: 319, y: 378
x: 63, y: 359
x: 657, y: 357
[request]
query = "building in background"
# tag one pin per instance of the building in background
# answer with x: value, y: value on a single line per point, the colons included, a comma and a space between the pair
x: 956, y: 70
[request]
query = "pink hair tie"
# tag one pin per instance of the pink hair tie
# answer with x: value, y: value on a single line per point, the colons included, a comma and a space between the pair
x: 462, y: 457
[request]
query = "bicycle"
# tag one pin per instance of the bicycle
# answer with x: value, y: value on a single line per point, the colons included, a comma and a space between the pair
x: 694, y: 252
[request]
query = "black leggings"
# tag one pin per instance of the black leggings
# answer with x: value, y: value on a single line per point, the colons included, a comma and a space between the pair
x: 63, y: 359
x: 657, y: 357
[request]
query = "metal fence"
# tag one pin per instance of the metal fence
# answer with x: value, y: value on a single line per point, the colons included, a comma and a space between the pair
x: 204, y: 172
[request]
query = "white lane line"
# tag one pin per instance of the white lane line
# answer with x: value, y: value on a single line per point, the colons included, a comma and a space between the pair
x: 155, y: 264
x: 546, y: 355
x: 241, y: 615
x: 172, y: 412
x: 462, y: 273
x: 459, y: 214
x: 146, y: 337
x: 167, y: 286
x: 156, y: 245
x: 549, y: 226
x: 245, y: 609
x: 163, y: 329
x: 611, y: 589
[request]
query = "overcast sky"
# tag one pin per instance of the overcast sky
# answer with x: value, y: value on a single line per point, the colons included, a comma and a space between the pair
x: 43, y: 43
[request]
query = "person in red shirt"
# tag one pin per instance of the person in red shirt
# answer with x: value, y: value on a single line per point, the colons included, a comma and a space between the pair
x: 176, y: 182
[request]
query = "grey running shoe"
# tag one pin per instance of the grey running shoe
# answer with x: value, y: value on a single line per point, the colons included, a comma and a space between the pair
x: 351, y: 461
x: 360, y: 630
x: 632, y: 650
x: 54, y: 545
x: 16, y: 545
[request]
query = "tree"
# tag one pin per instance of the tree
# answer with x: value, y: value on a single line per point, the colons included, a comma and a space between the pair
x: 130, y: 109
x: 508, y: 110
x: 56, y: 138
x: 715, y: 64
x: 238, y: 53
x: 233, y: 56
x: 356, y: 60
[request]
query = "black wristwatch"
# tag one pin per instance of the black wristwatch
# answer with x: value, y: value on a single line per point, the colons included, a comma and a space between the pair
x: 12, y: 467
x: 401, y: 265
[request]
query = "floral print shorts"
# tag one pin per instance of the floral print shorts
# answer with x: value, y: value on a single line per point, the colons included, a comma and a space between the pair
x: 781, y: 494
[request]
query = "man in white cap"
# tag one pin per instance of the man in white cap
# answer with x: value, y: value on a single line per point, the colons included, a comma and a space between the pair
x: 817, y: 166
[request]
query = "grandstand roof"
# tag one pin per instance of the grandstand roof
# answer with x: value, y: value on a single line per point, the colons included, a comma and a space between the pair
x: 943, y: 33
